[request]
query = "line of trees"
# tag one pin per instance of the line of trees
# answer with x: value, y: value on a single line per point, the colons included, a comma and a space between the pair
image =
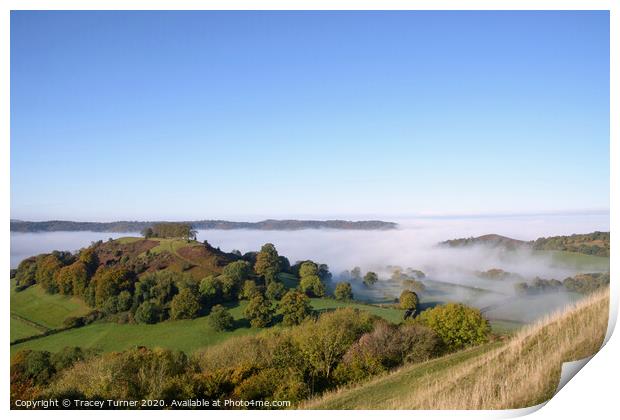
x: 170, y: 230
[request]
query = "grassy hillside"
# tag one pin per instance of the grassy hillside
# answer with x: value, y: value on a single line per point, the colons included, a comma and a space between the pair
x: 44, y: 309
x: 521, y: 372
x: 581, y: 262
x: 186, y: 335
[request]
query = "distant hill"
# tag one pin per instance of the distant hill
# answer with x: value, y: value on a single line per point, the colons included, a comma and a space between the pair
x: 595, y: 243
x: 137, y: 226
x: 492, y: 240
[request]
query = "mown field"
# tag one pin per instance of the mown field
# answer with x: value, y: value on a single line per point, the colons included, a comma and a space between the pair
x: 186, y: 335
x: 41, y: 308
x: 521, y: 372
x: 581, y: 262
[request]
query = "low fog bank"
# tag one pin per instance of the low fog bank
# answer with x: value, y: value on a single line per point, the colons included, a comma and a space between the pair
x: 450, y: 272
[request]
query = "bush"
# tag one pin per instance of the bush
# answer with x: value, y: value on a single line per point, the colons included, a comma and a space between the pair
x: 324, y: 342
x: 586, y: 283
x: 73, y: 322
x: 343, y: 291
x: 220, y: 319
x: 457, y: 325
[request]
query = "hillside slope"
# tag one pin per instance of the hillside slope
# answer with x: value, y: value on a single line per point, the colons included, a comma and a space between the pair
x: 522, y: 372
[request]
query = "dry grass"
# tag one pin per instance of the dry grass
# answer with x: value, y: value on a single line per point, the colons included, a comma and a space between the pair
x: 522, y: 372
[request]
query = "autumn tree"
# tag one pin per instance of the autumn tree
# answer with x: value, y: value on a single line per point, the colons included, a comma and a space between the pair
x: 267, y: 263
x: 408, y: 300
x: 295, y: 307
x: 259, y: 311
x: 343, y: 291
x: 184, y: 305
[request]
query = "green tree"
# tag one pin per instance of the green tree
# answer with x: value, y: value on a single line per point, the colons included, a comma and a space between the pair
x: 47, y: 267
x: 185, y: 305
x: 295, y: 307
x: 26, y: 274
x: 324, y: 342
x: 249, y: 290
x: 275, y: 290
x: 210, y: 289
x: 356, y: 273
x: 220, y: 319
x: 408, y: 300
x: 370, y: 279
x: 308, y: 268
x: 237, y: 272
x: 312, y: 286
x: 147, y: 313
x: 259, y: 311
x: 267, y: 263
x: 343, y: 291
x: 110, y: 282
x: 457, y: 325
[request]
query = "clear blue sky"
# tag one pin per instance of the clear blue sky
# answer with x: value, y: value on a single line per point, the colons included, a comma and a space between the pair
x: 185, y: 115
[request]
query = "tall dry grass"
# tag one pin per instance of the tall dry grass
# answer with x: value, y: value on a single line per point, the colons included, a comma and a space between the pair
x: 523, y: 372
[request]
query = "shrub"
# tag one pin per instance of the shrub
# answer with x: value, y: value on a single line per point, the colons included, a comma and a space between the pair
x: 343, y: 291
x: 457, y: 325
x: 220, y: 319
x: 324, y: 342
x: 73, y: 322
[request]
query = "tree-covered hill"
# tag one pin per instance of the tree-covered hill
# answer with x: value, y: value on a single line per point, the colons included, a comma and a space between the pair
x: 595, y: 243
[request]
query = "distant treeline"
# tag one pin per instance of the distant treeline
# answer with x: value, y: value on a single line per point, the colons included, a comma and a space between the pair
x: 595, y: 243
x: 135, y: 226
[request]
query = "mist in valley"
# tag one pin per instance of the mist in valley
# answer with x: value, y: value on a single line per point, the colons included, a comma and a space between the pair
x: 451, y: 273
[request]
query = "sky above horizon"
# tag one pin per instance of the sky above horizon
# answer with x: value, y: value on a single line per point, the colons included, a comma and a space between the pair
x: 233, y: 115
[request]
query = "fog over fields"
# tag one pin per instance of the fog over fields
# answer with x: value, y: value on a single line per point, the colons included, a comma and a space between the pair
x: 450, y: 272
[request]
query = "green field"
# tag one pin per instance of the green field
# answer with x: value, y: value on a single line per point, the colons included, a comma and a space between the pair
x: 23, y: 329
x: 169, y: 244
x: 186, y: 335
x: 49, y: 311
x: 581, y: 262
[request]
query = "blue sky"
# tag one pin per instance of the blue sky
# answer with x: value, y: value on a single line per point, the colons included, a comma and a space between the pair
x: 241, y: 115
